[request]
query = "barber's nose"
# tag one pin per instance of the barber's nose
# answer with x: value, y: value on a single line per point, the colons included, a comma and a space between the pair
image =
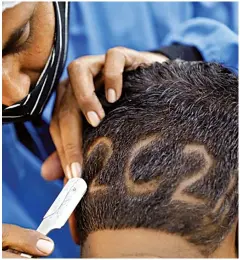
x: 15, y: 84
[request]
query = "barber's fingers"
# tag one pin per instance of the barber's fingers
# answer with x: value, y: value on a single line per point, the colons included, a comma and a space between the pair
x: 83, y: 70
x: 52, y: 168
x: 70, y: 125
x: 6, y: 254
x: 117, y: 59
x: 81, y: 75
x: 25, y: 241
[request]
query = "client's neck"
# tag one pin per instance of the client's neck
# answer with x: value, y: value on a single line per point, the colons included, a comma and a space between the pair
x: 142, y: 243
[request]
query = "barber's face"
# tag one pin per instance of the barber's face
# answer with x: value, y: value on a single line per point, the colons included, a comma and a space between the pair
x: 27, y: 38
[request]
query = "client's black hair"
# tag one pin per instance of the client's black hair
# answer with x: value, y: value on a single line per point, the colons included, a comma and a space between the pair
x: 165, y: 155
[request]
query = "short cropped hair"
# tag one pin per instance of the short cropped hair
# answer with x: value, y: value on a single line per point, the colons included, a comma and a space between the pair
x: 165, y: 156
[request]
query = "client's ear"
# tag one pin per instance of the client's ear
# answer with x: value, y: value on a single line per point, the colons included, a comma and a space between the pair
x: 73, y: 229
x: 73, y: 224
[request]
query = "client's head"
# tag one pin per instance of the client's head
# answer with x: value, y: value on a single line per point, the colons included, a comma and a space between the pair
x: 162, y: 166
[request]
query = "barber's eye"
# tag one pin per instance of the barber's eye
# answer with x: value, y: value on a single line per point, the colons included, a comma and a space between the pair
x: 23, y: 36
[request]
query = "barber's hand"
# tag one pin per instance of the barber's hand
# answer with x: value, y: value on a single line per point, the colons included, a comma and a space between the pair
x: 82, y: 72
x: 79, y: 95
x: 17, y: 240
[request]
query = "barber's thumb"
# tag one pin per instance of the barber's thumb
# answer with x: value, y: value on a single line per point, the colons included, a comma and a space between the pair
x: 44, y: 246
x: 51, y: 168
x: 26, y: 241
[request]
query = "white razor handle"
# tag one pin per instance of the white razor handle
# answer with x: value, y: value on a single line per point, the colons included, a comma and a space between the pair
x: 62, y: 207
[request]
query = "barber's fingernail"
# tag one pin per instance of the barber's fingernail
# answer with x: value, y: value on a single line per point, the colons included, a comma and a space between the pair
x: 25, y: 255
x: 45, y: 246
x: 93, y: 118
x: 111, y: 95
x: 68, y: 172
x: 76, y: 169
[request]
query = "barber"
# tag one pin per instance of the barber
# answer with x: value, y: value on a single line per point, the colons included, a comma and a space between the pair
x: 32, y: 65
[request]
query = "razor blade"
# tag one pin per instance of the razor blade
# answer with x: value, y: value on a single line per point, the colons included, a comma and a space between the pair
x: 62, y: 207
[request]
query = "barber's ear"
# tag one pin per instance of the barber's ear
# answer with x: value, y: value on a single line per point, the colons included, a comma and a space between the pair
x: 73, y: 224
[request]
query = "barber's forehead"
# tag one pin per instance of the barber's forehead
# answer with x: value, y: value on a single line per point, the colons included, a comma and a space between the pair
x: 9, y: 4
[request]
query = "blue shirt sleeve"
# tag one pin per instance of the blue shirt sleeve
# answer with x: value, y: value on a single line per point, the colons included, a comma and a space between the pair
x: 214, y: 40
